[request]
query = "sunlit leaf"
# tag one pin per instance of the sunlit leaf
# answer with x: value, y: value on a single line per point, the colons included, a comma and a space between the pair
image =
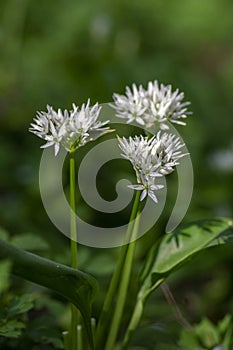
x: 179, y: 246
x: 173, y: 250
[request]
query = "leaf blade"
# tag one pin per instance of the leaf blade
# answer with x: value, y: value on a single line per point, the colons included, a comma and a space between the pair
x: 74, y: 285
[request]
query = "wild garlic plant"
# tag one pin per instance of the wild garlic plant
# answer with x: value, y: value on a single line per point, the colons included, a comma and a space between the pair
x: 153, y: 155
x: 70, y: 129
x: 151, y: 159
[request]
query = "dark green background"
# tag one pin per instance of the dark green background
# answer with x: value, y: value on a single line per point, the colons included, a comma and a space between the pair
x: 59, y: 52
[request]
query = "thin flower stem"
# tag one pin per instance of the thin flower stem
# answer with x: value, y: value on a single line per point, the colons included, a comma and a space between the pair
x: 124, y: 283
x: 74, y: 249
x: 79, y: 338
x: 135, y: 319
x: 66, y: 340
x: 93, y: 326
x: 73, y: 230
x: 108, y: 304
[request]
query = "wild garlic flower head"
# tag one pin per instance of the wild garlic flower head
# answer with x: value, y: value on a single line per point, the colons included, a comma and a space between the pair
x: 71, y: 129
x: 130, y: 106
x: 151, y: 158
x: 156, y: 104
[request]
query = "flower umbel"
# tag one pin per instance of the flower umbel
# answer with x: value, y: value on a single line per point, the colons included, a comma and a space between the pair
x: 156, y: 104
x: 151, y: 158
x: 71, y: 129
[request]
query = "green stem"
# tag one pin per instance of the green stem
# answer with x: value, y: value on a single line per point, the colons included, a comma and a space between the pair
x: 79, y: 338
x: 73, y: 230
x: 123, y: 288
x: 66, y: 340
x: 73, y: 246
x: 108, y: 303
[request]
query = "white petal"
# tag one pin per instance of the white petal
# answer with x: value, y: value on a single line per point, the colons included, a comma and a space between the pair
x: 56, y: 148
x: 153, y: 196
x: 136, y: 187
x: 143, y: 195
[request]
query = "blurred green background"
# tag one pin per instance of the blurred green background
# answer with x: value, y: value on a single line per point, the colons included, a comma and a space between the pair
x: 59, y: 52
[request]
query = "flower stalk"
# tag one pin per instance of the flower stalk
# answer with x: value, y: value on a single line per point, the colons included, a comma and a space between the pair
x: 73, y: 246
x: 109, y: 300
x: 125, y: 279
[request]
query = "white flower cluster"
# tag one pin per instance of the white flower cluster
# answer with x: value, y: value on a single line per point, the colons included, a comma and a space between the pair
x: 156, y: 104
x: 151, y: 158
x: 71, y: 129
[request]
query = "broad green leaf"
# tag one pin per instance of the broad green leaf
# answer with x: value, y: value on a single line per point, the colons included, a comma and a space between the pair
x: 179, y: 246
x: 172, y: 251
x: 76, y: 286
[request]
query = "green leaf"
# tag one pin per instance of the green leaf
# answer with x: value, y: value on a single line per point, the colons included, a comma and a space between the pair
x: 74, y: 285
x: 5, y: 267
x: 29, y: 241
x: 11, y: 329
x: 207, y: 333
x: 188, y: 341
x: 225, y: 328
x: 172, y: 251
x: 178, y: 247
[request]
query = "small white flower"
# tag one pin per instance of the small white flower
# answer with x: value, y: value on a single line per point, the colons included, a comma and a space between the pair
x: 71, y: 129
x: 156, y: 104
x: 167, y: 148
x: 151, y: 158
x: 131, y: 106
x: 163, y: 104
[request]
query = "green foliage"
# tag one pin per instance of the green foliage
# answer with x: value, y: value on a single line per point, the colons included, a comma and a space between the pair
x: 207, y: 336
x: 177, y: 247
x: 76, y: 286
x: 11, y: 329
x: 5, y: 267
x: 173, y: 250
x: 92, y: 49
x: 23, y: 321
x: 12, y: 319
